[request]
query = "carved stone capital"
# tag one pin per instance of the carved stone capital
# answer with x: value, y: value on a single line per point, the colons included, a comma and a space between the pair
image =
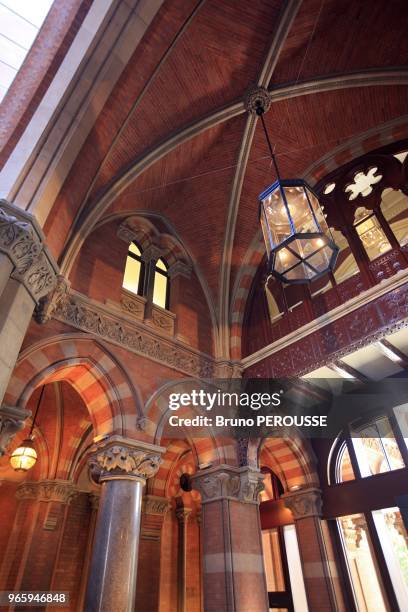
x: 153, y: 504
x: 119, y: 458
x: 228, y: 482
x: 257, y: 97
x: 304, y: 503
x: 151, y: 253
x: 49, y: 303
x: 180, y: 268
x: 22, y: 240
x: 12, y: 420
x: 183, y: 514
x: 61, y: 491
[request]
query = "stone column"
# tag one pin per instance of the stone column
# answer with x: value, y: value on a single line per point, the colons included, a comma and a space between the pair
x: 234, y: 578
x: 32, y: 549
x: 122, y: 466
x: 12, y: 420
x: 154, y: 509
x: 182, y: 514
x: 322, y: 583
x: 27, y: 274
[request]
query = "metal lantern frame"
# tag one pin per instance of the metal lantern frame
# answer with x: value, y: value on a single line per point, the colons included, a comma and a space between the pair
x: 274, y: 248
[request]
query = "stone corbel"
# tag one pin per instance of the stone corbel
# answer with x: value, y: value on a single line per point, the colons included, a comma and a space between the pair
x: 12, y: 420
x: 22, y: 241
x: 50, y: 302
x: 304, y: 503
x: 229, y: 482
x: 118, y: 457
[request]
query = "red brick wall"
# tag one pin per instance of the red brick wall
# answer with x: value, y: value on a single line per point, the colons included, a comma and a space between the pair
x: 38, y: 70
x: 68, y: 573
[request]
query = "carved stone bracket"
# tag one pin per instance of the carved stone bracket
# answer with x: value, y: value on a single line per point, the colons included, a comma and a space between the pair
x: 62, y: 491
x: 22, y: 240
x: 118, y: 457
x: 49, y: 303
x: 304, y: 503
x: 183, y: 514
x: 228, y: 482
x: 12, y: 420
x: 153, y: 504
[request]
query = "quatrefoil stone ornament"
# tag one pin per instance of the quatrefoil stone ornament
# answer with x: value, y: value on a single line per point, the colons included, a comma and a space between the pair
x: 363, y: 183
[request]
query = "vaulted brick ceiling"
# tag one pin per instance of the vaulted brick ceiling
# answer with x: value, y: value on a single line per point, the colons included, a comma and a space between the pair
x: 200, y: 57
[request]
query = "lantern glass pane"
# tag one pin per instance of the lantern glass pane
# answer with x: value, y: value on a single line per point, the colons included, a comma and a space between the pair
x: 301, y: 271
x: 321, y: 219
x: 321, y: 259
x: 300, y: 210
x: 277, y: 217
x: 285, y: 259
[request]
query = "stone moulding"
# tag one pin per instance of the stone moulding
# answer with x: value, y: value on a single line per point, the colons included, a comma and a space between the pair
x: 47, y: 491
x: 87, y: 315
x: 22, y: 241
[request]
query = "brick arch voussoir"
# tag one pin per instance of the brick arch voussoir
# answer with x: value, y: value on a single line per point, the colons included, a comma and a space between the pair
x: 109, y: 395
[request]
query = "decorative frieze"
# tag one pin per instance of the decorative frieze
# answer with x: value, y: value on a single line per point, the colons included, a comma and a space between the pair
x: 161, y: 319
x: 78, y: 311
x: 118, y: 457
x: 133, y: 304
x: 62, y: 491
x: 304, y: 503
x: 23, y: 242
x: 12, y: 420
x: 228, y: 482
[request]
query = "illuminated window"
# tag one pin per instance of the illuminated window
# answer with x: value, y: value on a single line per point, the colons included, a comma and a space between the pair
x: 161, y: 285
x: 393, y: 537
x: 344, y: 469
x: 394, y: 206
x: 362, y: 565
x: 134, y: 270
x: 376, y: 448
x: 370, y: 233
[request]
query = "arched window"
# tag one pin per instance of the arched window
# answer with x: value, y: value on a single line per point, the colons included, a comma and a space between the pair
x: 161, y: 285
x: 373, y: 538
x: 134, y: 270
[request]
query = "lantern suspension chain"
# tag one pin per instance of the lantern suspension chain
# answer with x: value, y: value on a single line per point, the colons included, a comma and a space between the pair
x: 36, y: 411
x: 260, y: 112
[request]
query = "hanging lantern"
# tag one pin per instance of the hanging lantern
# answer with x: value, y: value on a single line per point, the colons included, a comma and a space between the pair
x: 298, y: 240
x: 24, y: 457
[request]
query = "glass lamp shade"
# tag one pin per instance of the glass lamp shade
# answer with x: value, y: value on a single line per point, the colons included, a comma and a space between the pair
x: 298, y: 241
x: 24, y: 457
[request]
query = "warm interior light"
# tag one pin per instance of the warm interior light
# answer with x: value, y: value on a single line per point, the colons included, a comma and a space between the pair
x: 24, y: 457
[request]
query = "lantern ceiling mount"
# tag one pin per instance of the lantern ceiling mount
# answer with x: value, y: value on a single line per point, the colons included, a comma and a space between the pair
x: 257, y: 98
